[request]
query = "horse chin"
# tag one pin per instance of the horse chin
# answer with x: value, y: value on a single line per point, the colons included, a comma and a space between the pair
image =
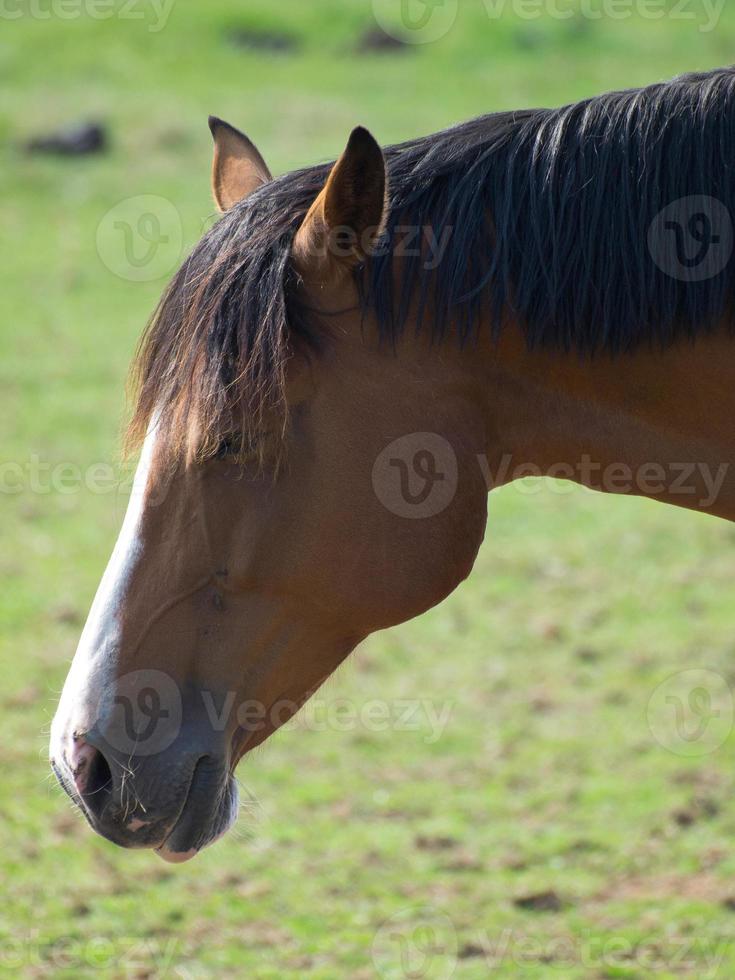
x: 186, y: 839
x: 174, y: 857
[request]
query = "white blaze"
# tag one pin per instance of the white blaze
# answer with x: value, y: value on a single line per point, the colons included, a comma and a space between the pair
x: 94, y: 662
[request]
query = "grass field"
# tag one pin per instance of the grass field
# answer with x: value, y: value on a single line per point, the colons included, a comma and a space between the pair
x: 536, y: 816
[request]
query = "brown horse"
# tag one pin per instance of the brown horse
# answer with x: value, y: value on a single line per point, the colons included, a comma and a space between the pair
x: 345, y: 365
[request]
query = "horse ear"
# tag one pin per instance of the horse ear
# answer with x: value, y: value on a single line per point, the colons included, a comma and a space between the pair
x: 347, y: 217
x: 238, y: 169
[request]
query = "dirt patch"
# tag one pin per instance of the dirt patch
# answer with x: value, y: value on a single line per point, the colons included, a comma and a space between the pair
x: 268, y: 42
x: 78, y: 140
x: 67, y: 615
x: 25, y: 698
x: 547, y: 901
x: 702, y: 886
x: 463, y: 862
x: 470, y: 950
x: 428, y: 842
x: 376, y: 40
x: 700, y: 808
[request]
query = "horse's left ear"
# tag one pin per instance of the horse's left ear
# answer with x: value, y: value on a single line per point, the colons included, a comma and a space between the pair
x: 238, y: 169
x: 347, y: 217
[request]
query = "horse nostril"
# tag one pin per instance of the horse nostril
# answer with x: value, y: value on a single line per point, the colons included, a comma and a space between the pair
x: 99, y: 781
x: 91, y: 773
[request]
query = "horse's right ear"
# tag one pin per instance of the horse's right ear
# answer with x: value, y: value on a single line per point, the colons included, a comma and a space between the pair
x: 347, y: 217
x: 238, y: 169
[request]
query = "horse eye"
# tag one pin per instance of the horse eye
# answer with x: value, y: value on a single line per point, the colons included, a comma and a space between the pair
x: 228, y: 447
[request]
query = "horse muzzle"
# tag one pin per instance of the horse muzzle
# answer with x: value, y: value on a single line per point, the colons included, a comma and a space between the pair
x: 171, y: 789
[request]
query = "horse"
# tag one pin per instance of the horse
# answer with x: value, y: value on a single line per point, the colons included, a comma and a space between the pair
x: 351, y: 358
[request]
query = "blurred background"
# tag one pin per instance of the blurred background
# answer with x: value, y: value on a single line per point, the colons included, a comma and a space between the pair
x: 532, y: 797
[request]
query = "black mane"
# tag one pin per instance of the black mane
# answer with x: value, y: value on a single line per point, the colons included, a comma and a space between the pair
x: 549, y: 213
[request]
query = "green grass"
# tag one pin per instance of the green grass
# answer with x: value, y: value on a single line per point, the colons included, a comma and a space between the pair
x: 547, y: 777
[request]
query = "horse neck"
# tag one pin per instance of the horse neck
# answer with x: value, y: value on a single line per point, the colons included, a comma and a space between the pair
x: 652, y: 423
